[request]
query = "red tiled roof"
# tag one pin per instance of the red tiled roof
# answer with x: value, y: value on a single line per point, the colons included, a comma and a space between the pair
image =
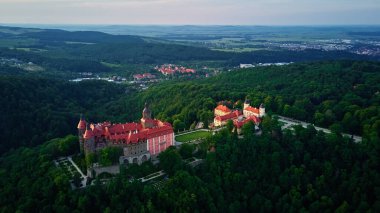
x: 82, y: 124
x: 148, y: 75
x: 138, y: 76
x: 159, y: 131
x: 170, y: 69
x: 238, y: 113
x: 129, y: 132
x: 252, y: 109
x: 229, y: 116
x: 88, y: 134
x: 223, y: 108
x: 145, y: 75
x: 254, y: 119
x: 124, y: 128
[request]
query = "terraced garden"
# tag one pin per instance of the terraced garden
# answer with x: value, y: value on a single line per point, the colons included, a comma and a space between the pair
x: 192, y: 136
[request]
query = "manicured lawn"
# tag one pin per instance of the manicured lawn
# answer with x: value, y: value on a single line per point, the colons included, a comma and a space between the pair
x: 192, y: 136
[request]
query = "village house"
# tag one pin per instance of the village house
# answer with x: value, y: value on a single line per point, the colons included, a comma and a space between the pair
x: 139, y: 77
x: 170, y: 69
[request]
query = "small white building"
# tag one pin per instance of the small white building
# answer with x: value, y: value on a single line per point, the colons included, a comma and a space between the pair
x: 246, y: 66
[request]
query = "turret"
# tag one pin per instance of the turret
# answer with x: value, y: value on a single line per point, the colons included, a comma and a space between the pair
x: 146, y: 120
x: 89, y: 143
x: 246, y: 103
x: 261, y: 111
x: 82, y: 123
x: 146, y: 112
x: 81, y: 129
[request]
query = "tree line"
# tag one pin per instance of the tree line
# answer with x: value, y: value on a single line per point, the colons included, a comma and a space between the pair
x: 303, y: 170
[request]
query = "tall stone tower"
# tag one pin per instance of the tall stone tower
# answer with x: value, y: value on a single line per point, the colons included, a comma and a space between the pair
x: 89, y: 142
x: 146, y: 120
x: 261, y: 111
x: 81, y: 130
x: 246, y: 103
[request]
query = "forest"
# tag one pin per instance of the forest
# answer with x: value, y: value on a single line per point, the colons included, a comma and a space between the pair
x: 35, y: 110
x: 343, y: 96
x: 300, y: 171
x: 278, y: 171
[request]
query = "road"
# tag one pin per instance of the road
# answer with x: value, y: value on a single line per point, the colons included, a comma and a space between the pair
x: 152, y: 176
x: 289, y: 123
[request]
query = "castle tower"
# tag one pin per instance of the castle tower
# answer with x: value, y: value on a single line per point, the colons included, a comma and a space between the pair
x: 146, y: 112
x: 146, y: 120
x: 261, y: 111
x: 81, y: 129
x: 246, y: 103
x: 89, y: 142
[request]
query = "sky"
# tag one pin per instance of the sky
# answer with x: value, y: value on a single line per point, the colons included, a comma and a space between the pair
x: 202, y: 12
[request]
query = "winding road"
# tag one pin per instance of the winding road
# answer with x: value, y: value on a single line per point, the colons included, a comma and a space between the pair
x: 289, y: 123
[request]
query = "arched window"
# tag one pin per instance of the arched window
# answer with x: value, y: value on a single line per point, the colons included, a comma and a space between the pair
x: 135, y: 160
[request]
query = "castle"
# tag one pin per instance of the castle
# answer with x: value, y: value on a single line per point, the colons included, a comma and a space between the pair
x: 223, y: 114
x: 139, y: 141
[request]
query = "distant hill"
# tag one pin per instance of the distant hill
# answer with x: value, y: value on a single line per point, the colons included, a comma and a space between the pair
x: 90, y: 47
x: 80, y: 36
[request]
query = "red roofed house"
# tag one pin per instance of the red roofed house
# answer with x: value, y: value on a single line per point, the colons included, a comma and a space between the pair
x: 148, y: 75
x: 139, y: 141
x: 223, y: 114
x: 249, y: 111
x: 221, y: 110
x: 239, y: 123
x: 169, y: 69
x: 190, y: 70
x: 222, y: 120
x: 138, y: 77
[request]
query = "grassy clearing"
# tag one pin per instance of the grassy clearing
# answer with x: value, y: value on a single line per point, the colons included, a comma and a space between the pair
x: 78, y: 42
x: 192, y: 136
x: 111, y: 65
x: 31, y: 49
x: 238, y: 50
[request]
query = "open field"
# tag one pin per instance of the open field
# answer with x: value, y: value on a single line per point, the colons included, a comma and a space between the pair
x: 192, y: 136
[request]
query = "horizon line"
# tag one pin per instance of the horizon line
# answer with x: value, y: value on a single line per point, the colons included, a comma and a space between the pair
x: 155, y: 24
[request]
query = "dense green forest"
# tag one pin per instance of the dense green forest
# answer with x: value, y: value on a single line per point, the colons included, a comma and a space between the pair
x: 34, y: 110
x: 272, y: 170
x: 304, y: 171
x: 59, y: 64
x: 343, y: 96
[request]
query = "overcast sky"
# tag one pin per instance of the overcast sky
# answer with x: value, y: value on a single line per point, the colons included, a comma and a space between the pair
x: 244, y: 12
